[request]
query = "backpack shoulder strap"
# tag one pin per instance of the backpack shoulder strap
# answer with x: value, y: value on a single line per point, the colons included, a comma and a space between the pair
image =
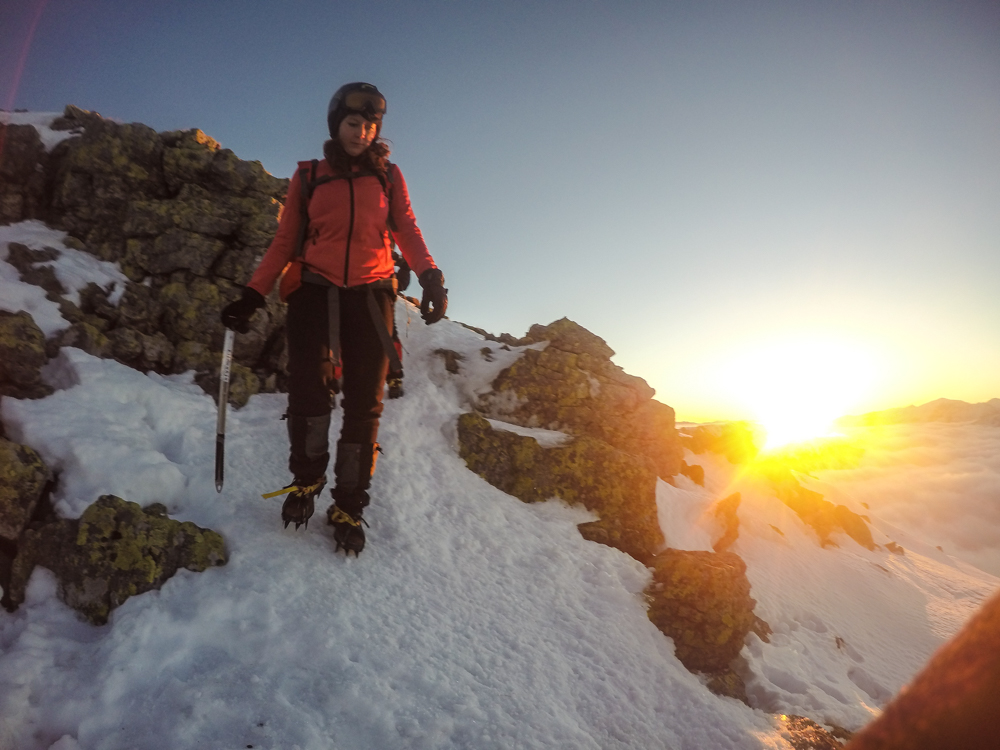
x: 307, y: 183
x: 387, y: 187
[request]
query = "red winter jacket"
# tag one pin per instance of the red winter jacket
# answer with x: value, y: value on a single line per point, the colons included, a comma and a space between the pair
x: 347, y: 241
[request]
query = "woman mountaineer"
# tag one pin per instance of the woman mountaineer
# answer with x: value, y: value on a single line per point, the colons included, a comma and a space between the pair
x: 333, y: 251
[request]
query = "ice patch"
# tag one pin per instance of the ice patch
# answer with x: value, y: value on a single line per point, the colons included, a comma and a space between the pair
x: 545, y: 438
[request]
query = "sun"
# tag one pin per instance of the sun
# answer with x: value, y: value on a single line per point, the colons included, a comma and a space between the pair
x: 795, y: 388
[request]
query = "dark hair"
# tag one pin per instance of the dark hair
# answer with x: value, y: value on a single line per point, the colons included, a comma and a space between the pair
x: 374, y: 158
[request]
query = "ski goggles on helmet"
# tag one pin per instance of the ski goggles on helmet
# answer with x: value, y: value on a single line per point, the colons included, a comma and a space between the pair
x: 370, y: 104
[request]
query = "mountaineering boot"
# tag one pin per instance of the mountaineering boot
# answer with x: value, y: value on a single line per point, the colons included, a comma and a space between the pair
x: 353, y: 469
x: 395, y: 383
x: 310, y: 453
x: 300, y: 503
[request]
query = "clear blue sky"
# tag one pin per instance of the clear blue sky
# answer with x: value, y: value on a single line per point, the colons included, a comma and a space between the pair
x: 695, y: 182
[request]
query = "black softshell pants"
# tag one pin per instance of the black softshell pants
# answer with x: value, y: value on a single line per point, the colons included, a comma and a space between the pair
x: 311, y: 383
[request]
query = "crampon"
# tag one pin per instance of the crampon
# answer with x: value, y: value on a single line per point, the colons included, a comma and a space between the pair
x: 300, y: 503
x: 348, y: 531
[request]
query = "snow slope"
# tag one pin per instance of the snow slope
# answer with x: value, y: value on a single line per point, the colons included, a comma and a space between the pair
x: 471, y: 620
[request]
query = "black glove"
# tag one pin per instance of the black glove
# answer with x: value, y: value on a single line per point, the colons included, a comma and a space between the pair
x: 236, y: 315
x: 435, y: 300
x: 403, y: 274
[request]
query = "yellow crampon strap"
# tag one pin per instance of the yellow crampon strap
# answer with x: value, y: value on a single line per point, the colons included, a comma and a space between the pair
x: 292, y: 488
x: 285, y: 491
x: 339, y: 516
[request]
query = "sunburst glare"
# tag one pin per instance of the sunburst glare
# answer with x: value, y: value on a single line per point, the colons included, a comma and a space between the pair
x: 797, y: 387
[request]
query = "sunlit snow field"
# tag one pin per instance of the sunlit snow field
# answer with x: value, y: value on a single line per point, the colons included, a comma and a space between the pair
x: 471, y: 620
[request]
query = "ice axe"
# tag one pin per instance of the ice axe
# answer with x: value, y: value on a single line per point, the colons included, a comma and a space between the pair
x: 220, y: 428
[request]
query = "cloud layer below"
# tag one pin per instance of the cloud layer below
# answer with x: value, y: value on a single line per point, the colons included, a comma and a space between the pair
x: 939, y: 482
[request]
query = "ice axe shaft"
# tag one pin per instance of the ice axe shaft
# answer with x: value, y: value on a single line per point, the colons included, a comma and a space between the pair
x: 220, y: 428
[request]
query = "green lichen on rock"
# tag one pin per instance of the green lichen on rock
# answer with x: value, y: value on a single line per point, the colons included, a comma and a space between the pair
x: 243, y: 383
x: 620, y: 488
x: 702, y: 601
x: 23, y: 476
x: 22, y: 354
x: 114, y: 551
x: 191, y: 311
x: 572, y: 385
x: 186, y: 220
x: 86, y: 335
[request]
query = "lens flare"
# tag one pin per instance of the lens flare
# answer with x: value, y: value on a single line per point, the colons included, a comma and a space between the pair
x: 25, y: 49
x: 796, y: 388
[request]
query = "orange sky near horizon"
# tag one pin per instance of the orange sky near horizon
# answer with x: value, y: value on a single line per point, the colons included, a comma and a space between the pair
x: 823, y: 376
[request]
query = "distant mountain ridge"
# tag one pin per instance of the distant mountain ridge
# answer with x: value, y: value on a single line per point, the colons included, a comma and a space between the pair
x: 941, y: 410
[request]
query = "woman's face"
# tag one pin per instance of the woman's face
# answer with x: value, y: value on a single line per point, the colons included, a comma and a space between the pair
x: 356, y: 133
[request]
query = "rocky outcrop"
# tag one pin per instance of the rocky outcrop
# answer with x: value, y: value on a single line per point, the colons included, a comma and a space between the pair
x: 725, y: 511
x: 694, y: 472
x: 738, y: 442
x: 571, y: 385
x: 821, y: 515
x: 619, y: 487
x: 186, y: 220
x: 23, y: 476
x: 22, y: 354
x: 114, y: 551
x: 702, y: 601
x: 22, y: 182
x: 805, y: 734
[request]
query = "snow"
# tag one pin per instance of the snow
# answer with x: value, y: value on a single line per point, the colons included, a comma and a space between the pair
x: 73, y: 268
x: 42, y: 121
x: 545, y: 438
x: 471, y: 620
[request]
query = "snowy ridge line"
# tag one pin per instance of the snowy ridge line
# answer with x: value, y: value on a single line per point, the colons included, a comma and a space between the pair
x: 472, y: 620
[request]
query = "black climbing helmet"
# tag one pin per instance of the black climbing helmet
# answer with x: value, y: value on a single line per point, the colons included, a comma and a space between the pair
x: 359, y: 97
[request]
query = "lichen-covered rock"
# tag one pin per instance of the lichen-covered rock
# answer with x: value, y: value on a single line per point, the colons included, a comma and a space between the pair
x: 620, y: 488
x: 572, y: 385
x: 694, y: 472
x: 725, y: 512
x: 188, y: 157
x: 729, y: 684
x: 186, y: 220
x: 86, y: 336
x: 24, y: 258
x: 243, y: 383
x: 22, y: 184
x: 22, y: 354
x: 139, y: 309
x: 805, y: 734
x: 126, y: 344
x: 191, y: 311
x: 702, y: 601
x: 823, y: 516
x: 854, y: 526
x: 115, y: 550
x: 173, y: 250
x: 23, y: 475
